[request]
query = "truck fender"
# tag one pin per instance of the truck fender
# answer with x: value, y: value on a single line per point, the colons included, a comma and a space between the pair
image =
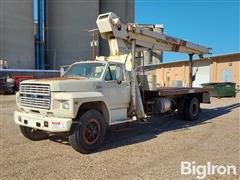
x: 84, y: 101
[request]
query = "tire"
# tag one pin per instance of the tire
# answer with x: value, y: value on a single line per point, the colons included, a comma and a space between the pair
x: 89, y: 133
x: 33, y: 134
x: 192, y: 109
x: 181, y: 106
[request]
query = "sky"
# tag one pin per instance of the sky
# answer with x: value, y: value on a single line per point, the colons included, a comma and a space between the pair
x: 212, y: 23
x: 35, y: 9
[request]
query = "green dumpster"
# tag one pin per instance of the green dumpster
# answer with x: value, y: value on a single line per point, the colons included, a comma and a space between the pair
x: 221, y: 89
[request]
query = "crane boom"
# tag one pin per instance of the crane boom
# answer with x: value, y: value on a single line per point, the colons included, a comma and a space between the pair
x: 120, y: 38
x: 131, y: 38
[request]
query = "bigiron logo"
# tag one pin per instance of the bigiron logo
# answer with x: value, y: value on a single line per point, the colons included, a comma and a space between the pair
x: 209, y: 169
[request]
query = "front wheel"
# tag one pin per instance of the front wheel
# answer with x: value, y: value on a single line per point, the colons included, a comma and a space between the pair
x: 89, y: 133
x: 33, y: 134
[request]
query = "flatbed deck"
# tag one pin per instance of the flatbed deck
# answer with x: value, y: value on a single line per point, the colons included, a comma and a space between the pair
x: 170, y: 91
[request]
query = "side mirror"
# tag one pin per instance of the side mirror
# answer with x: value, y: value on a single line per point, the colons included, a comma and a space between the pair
x: 119, y: 74
x: 63, y: 69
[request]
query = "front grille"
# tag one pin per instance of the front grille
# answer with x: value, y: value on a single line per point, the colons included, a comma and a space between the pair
x: 35, y: 95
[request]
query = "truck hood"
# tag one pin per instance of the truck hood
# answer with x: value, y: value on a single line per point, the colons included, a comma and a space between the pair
x: 65, y: 84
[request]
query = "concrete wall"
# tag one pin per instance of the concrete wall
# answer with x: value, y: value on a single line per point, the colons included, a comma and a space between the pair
x: 17, y: 33
x: 168, y: 72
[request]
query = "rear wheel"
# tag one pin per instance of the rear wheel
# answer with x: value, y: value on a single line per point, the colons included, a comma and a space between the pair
x: 192, y: 109
x: 33, y: 134
x: 89, y: 133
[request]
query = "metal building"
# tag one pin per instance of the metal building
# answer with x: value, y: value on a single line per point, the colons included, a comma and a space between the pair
x: 17, y: 33
x: 221, y: 68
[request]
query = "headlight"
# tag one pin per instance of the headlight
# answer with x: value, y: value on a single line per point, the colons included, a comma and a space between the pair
x: 65, y: 105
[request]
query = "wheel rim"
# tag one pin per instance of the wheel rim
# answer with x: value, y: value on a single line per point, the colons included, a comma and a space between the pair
x: 195, y: 109
x: 91, y: 131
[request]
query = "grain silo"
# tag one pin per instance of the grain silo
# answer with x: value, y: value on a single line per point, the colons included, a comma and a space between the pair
x: 67, y: 25
x: 17, y: 33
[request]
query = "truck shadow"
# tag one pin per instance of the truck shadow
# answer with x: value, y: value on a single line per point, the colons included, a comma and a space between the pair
x: 139, y: 132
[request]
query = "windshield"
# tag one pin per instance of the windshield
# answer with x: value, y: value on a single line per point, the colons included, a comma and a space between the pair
x: 89, y: 70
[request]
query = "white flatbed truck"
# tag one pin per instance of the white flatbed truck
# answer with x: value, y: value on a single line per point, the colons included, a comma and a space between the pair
x: 92, y: 95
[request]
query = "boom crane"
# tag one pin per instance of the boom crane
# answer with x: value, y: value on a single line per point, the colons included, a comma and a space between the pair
x: 120, y: 37
x: 131, y: 38
x: 93, y: 95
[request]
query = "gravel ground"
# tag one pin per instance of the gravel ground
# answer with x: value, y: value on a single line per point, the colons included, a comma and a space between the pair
x: 152, y: 150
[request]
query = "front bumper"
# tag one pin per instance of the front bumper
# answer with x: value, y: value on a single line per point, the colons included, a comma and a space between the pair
x: 50, y: 124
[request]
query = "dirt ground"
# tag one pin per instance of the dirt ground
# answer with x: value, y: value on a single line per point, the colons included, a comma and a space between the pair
x: 152, y: 150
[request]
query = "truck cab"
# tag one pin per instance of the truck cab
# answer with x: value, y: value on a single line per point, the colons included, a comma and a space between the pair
x: 55, y: 104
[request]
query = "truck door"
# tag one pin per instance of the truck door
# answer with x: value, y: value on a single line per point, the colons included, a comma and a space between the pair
x: 117, y: 94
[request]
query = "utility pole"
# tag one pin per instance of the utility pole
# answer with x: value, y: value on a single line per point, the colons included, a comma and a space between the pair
x: 190, y: 69
x: 94, y: 43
